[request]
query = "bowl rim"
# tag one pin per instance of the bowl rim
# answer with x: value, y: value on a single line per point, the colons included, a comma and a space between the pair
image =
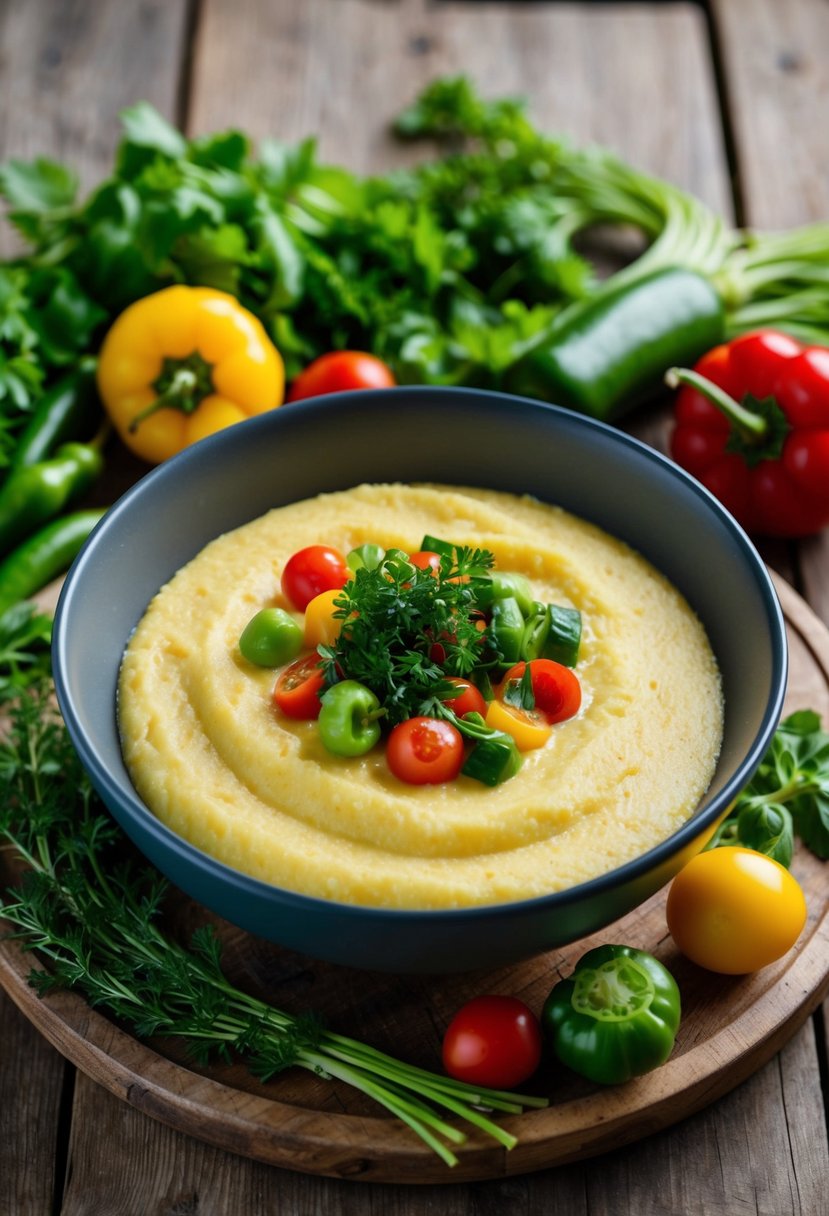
x: 618, y: 877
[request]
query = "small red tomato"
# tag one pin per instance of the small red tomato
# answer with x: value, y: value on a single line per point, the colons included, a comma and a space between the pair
x: 493, y: 1041
x: 556, y: 688
x: 311, y: 571
x: 424, y: 559
x: 468, y: 701
x: 298, y: 687
x: 339, y: 371
x: 425, y: 751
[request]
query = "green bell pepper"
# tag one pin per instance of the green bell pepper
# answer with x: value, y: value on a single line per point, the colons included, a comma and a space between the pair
x: 348, y: 722
x: 616, y: 1017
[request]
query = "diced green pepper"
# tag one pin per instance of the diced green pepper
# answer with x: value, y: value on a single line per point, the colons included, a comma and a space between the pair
x: 535, y: 632
x: 616, y: 1017
x: 506, y: 629
x: 564, y: 637
x: 493, y: 760
x: 501, y: 585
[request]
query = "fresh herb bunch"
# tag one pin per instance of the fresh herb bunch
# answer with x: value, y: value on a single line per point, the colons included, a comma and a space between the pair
x: 94, y: 915
x: 449, y: 271
x: 395, y: 616
x: 788, y: 796
x: 25, y: 639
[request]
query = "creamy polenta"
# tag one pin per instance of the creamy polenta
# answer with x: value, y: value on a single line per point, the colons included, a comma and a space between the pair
x: 219, y: 765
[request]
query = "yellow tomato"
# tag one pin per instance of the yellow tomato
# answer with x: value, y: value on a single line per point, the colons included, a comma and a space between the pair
x: 321, y: 626
x: 733, y: 910
x: 528, y: 729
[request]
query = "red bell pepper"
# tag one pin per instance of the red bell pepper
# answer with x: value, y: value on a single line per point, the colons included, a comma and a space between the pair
x: 752, y: 424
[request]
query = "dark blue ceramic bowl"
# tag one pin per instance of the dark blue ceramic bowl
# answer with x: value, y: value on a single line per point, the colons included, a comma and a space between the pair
x: 457, y: 436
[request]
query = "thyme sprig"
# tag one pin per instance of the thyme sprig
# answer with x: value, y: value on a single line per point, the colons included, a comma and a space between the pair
x: 95, y: 921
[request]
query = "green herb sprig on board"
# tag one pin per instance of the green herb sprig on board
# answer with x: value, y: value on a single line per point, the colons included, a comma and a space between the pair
x: 788, y: 796
x: 95, y: 920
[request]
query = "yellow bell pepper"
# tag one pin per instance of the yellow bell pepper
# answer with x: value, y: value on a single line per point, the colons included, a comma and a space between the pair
x: 183, y: 363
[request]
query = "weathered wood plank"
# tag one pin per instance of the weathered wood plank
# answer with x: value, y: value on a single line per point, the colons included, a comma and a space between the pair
x: 31, y: 1081
x: 776, y: 62
x: 636, y: 76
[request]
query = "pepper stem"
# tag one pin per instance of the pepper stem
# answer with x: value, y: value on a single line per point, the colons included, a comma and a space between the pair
x: 753, y: 426
x: 182, y: 385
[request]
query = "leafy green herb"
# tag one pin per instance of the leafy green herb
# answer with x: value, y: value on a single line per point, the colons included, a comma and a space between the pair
x: 25, y: 638
x: 93, y: 914
x: 449, y: 271
x: 788, y: 796
x: 394, y: 617
x: 520, y: 692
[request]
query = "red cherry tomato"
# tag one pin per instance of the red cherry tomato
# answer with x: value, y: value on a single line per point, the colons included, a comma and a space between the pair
x: 556, y: 688
x: 424, y: 559
x: 425, y: 751
x: 468, y: 701
x: 298, y: 687
x: 339, y: 371
x: 493, y: 1041
x: 311, y: 571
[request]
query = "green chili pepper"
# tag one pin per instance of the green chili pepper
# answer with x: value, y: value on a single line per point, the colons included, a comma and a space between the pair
x: 348, y: 721
x: 44, y: 556
x: 612, y: 350
x: 270, y: 638
x: 501, y: 585
x: 506, y: 628
x: 35, y: 493
x: 563, y: 638
x: 616, y: 1017
x: 365, y: 557
x: 70, y: 409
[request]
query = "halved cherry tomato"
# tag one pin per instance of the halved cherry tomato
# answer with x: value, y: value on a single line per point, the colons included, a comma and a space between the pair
x: 528, y: 727
x: 425, y: 751
x: 493, y: 1041
x: 556, y: 688
x: 298, y: 687
x: 468, y: 701
x: 312, y: 570
x: 339, y: 371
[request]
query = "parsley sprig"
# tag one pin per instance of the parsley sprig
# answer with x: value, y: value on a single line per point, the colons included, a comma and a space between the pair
x: 395, y: 616
x: 94, y: 914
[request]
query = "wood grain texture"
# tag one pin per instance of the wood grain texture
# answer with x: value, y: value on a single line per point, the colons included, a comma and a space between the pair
x: 344, y: 70
x: 29, y: 1131
x: 776, y: 61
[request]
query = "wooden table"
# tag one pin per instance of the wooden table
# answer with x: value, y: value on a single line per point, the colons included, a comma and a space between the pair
x: 729, y: 99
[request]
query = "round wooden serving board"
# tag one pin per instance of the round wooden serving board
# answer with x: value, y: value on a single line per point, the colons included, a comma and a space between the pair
x: 730, y: 1027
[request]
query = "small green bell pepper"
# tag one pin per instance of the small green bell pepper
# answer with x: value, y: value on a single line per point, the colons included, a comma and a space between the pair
x: 348, y: 722
x: 616, y: 1017
x: 270, y: 638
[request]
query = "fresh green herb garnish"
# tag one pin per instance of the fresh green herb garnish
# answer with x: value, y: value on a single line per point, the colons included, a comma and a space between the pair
x: 788, y: 796
x: 394, y: 619
x: 95, y: 919
x: 25, y: 638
